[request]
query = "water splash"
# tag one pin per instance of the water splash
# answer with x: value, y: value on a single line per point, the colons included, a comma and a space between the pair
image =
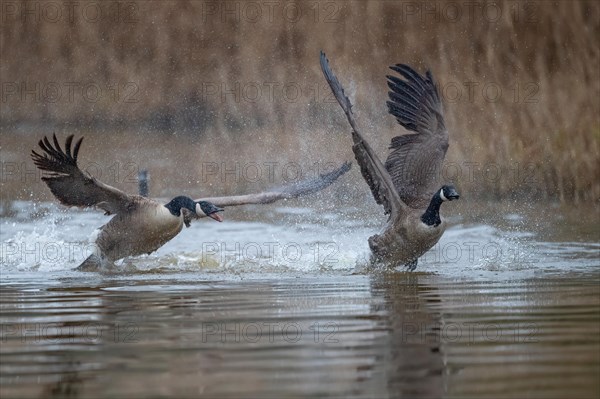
x: 48, y: 238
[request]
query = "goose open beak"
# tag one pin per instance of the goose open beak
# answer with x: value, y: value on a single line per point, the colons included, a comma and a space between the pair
x: 216, y: 216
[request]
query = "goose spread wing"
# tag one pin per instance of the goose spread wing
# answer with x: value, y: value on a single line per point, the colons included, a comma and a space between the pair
x: 293, y: 190
x: 415, y: 160
x: 371, y: 167
x: 69, y: 184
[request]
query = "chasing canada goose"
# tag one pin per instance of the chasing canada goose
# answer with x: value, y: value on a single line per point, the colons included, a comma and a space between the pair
x: 407, y: 184
x: 142, y: 225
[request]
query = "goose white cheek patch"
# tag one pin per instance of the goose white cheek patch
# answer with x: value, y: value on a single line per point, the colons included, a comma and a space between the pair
x: 199, y: 211
x: 442, y: 195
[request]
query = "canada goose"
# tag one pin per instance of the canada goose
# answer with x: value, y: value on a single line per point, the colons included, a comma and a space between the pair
x: 407, y: 185
x: 141, y: 225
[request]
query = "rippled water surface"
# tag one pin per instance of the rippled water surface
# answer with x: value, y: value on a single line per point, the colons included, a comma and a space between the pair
x: 278, y: 301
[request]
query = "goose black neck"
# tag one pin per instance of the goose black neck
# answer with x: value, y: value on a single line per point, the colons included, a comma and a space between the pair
x: 431, y: 217
x: 175, y: 205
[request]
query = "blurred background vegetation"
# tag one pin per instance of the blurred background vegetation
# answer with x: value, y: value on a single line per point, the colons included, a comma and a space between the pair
x: 178, y: 86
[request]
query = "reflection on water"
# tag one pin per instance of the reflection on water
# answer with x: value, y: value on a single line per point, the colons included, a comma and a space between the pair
x: 536, y: 338
x: 495, y: 311
x: 399, y: 334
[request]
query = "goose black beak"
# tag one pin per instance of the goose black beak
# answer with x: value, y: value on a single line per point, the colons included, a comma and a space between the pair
x: 452, y: 195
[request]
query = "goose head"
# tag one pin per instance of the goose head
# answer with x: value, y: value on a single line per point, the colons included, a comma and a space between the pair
x: 448, y: 193
x: 200, y: 208
x: 431, y: 217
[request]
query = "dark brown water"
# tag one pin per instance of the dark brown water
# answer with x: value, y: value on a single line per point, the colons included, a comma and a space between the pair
x: 520, y: 319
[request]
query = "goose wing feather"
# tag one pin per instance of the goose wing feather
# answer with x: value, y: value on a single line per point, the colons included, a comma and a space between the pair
x: 293, y: 190
x: 416, y: 159
x: 371, y: 167
x: 69, y: 184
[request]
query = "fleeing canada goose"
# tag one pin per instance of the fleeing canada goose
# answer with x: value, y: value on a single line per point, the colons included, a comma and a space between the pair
x: 141, y: 225
x: 407, y: 185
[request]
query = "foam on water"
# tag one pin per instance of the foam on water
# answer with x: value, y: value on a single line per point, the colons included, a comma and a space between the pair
x: 42, y: 250
x: 49, y: 238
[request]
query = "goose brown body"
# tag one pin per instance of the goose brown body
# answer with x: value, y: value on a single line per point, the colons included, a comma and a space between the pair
x: 147, y: 227
x: 405, y: 239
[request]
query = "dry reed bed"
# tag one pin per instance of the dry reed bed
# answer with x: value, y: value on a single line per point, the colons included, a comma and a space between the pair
x: 540, y: 137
